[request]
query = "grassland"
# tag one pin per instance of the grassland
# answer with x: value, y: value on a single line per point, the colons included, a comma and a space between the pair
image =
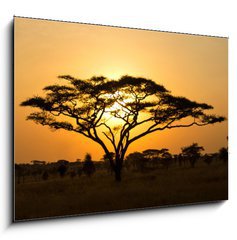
x: 99, y: 193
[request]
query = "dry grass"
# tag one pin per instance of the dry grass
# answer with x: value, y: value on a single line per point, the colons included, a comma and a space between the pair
x: 58, y: 197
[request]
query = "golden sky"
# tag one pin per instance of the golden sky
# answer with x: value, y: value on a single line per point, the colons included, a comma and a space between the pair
x: 195, y: 67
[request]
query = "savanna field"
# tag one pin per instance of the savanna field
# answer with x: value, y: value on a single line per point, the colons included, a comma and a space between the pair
x: 81, y: 194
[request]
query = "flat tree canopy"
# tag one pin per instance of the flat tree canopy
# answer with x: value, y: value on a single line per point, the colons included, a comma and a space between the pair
x: 192, y: 152
x: 89, y: 106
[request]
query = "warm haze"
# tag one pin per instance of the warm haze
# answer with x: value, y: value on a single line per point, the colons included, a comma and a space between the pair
x: 191, y: 66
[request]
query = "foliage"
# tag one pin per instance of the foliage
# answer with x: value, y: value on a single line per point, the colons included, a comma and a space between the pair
x: 192, y: 153
x: 106, y: 157
x: 137, y: 160
x: 157, y: 156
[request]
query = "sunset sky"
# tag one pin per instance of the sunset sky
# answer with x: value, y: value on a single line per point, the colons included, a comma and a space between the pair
x: 195, y: 67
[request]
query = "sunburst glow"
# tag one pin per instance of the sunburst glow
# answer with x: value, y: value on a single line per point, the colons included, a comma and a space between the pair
x: 114, y: 115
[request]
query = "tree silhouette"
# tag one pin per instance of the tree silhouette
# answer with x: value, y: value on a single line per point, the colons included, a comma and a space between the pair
x: 192, y: 153
x: 88, y: 165
x: 62, y: 169
x: 106, y: 157
x: 151, y: 153
x: 137, y: 160
x: 166, y: 157
x: 159, y: 155
x: 89, y: 106
x: 223, y: 154
x: 209, y: 158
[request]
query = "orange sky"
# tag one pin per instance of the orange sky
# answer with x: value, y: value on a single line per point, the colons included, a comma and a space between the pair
x: 192, y: 66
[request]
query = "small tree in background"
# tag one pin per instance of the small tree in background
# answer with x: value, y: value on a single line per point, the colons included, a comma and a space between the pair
x: 62, y: 169
x: 156, y: 156
x: 223, y: 154
x: 106, y: 158
x: 79, y: 167
x: 88, y: 165
x: 166, y: 157
x: 137, y: 160
x: 192, y: 153
x: 151, y: 154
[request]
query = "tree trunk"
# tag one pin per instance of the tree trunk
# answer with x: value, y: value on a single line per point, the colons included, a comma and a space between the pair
x: 117, y: 171
x: 116, y: 165
x: 118, y: 168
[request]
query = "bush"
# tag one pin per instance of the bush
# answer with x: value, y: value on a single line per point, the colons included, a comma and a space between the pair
x: 88, y: 165
x: 62, y: 169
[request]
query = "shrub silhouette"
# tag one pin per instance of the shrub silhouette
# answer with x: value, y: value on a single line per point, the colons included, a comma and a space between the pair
x: 62, y: 169
x: 88, y: 165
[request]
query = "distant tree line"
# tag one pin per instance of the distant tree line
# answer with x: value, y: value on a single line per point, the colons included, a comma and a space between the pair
x: 40, y: 170
x: 147, y: 160
x: 162, y: 158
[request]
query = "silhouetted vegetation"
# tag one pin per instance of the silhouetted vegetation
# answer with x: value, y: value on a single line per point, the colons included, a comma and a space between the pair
x: 106, y: 158
x: 88, y: 165
x: 146, y: 183
x: 87, y: 102
x: 73, y: 174
x: 192, y: 153
x: 62, y: 169
x: 61, y: 188
x: 223, y: 154
x: 148, y: 160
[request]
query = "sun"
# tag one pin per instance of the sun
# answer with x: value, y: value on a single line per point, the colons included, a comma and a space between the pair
x: 115, y: 74
x: 114, y: 114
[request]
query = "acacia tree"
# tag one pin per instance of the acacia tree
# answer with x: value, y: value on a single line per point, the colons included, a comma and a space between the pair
x: 192, y: 152
x: 159, y: 155
x: 137, y: 160
x: 137, y: 105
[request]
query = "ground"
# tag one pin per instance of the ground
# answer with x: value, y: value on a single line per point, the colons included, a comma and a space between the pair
x: 99, y: 193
